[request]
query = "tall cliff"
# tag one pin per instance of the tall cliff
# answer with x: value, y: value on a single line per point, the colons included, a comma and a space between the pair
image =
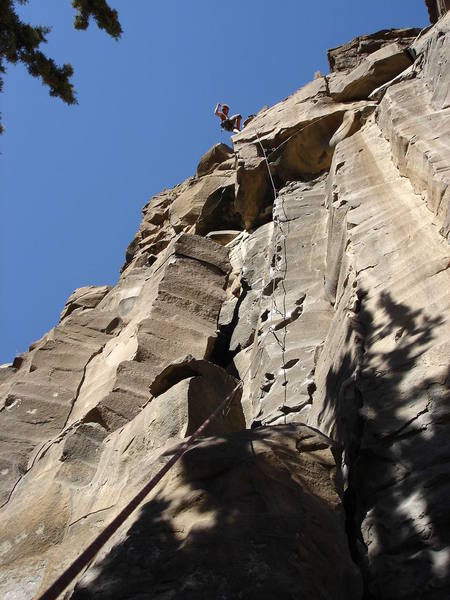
x: 310, y: 263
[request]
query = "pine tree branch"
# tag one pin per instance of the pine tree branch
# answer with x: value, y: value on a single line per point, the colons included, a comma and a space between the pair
x: 105, y: 17
x: 20, y: 42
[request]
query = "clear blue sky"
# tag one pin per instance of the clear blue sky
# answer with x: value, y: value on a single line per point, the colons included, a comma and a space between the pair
x: 74, y: 179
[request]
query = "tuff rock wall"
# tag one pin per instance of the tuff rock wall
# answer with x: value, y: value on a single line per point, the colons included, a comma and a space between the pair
x: 322, y: 284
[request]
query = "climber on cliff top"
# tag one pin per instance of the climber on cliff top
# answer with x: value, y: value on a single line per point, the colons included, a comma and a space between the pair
x: 228, y: 123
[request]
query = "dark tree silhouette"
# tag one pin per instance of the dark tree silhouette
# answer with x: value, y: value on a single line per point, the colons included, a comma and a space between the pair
x: 20, y: 42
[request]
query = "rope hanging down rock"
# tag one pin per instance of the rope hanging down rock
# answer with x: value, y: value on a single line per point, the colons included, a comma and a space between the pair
x: 277, y: 259
x: 88, y: 555
x: 84, y: 560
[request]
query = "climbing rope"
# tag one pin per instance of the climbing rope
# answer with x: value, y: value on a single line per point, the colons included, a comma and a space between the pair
x: 279, y: 233
x: 88, y: 555
x: 84, y: 560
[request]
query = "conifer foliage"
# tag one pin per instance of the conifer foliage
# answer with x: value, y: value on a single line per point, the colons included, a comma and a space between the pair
x: 20, y: 42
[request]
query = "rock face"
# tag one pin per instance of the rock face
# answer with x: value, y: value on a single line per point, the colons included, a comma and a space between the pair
x: 310, y: 264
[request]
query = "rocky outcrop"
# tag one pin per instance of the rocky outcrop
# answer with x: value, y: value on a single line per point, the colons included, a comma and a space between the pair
x: 376, y: 69
x: 437, y: 8
x: 350, y: 55
x: 84, y: 298
x: 302, y: 274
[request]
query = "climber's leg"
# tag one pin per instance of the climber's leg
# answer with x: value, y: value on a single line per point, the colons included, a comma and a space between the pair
x: 236, y: 120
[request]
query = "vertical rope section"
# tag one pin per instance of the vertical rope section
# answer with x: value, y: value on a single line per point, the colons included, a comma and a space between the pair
x: 280, y: 233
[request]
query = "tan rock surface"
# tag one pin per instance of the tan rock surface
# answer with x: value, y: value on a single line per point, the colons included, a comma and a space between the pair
x: 84, y: 298
x: 414, y: 117
x: 219, y: 156
x: 293, y: 315
x: 199, y: 205
x: 42, y: 392
x: 381, y: 377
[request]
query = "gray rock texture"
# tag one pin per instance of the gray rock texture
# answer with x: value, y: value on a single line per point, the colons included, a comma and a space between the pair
x: 308, y: 267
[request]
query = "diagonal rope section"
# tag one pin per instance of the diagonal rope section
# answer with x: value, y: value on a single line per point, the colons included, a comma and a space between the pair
x: 85, y: 559
x: 88, y: 555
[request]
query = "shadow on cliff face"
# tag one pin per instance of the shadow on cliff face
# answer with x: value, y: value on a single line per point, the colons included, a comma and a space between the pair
x: 392, y: 423
x: 241, y: 518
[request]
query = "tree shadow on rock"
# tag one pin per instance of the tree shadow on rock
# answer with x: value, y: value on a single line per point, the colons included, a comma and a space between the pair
x: 251, y: 515
x: 392, y: 412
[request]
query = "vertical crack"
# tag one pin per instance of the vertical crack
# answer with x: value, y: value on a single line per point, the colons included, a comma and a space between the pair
x: 221, y: 354
x: 353, y: 430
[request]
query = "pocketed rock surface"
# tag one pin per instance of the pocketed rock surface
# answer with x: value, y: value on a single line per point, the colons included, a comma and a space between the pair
x: 328, y: 474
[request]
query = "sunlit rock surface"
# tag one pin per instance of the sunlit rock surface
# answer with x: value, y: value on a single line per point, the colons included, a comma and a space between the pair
x: 310, y: 262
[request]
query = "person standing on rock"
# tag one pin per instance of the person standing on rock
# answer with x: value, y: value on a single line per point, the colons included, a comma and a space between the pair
x: 228, y: 123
